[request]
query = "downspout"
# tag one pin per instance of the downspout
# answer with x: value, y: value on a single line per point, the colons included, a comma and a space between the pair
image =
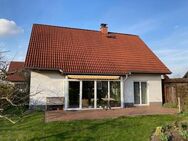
x: 65, y: 90
x: 126, y: 76
x: 61, y: 71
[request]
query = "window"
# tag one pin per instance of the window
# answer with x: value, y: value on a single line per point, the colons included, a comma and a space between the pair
x: 140, y: 93
x: 74, y: 94
x: 102, y: 93
x: 136, y: 93
x: 115, y: 94
x: 88, y: 94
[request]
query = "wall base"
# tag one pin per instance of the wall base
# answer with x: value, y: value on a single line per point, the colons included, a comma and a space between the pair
x: 126, y: 105
x: 155, y: 103
x: 37, y: 107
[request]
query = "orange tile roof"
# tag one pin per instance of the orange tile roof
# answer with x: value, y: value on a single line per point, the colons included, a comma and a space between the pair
x: 14, y: 71
x: 80, y: 51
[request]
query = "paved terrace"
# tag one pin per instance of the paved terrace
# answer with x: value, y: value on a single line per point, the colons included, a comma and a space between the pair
x: 61, y: 115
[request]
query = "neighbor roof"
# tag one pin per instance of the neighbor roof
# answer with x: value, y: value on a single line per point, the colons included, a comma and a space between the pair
x: 186, y: 75
x: 176, y: 80
x: 80, y: 51
x: 15, y: 71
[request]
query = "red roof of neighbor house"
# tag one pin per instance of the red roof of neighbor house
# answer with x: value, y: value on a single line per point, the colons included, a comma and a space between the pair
x: 176, y: 80
x: 14, y: 71
x: 80, y: 51
x: 186, y: 75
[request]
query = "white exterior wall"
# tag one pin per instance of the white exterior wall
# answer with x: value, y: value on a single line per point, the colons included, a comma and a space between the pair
x: 45, y: 84
x: 53, y: 84
x: 154, y: 88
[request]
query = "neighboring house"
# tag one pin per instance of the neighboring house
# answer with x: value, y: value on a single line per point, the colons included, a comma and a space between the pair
x: 88, y: 68
x: 17, y: 75
x: 186, y: 75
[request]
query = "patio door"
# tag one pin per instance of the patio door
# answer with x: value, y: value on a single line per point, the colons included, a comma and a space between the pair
x: 108, y: 91
x: 140, y: 93
x: 102, y: 93
x: 74, y: 96
x: 88, y: 94
x: 85, y: 94
x: 115, y: 94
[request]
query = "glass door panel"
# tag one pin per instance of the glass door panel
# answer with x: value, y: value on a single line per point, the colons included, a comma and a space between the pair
x: 102, y: 93
x: 144, y: 92
x: 74, y: 97
x: 140, y: 93
x: 136, y: 93
x: 115, y: 94
x: 88, y: 94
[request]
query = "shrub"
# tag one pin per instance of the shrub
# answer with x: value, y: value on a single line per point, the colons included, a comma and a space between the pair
x: 184, y: 134
x: 170, y: 105
x: 173, y: 132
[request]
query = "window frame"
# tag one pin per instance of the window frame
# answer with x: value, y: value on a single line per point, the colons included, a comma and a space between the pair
x: 140, y: 93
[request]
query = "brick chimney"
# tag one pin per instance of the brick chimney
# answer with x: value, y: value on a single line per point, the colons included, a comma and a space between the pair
x: 104, y: 28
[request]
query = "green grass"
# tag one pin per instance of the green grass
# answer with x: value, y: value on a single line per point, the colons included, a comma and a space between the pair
x: 33, y: 128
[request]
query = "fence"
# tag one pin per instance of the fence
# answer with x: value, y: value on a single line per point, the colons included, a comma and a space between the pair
x: 174, y: 88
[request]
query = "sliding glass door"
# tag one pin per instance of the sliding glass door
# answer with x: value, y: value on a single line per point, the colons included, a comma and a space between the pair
x: 136, y: 93
x: 144, y: 92
x: 74, y: 96
x: 140, y: 93
x: 108, y: 90
x: 102, y: 93
x: 85, y: 94
x: 115, y: 94
x: 88, y: 94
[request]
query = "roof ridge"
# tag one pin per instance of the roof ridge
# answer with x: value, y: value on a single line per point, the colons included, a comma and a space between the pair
x: 75, y: 28
x: 124, y: 33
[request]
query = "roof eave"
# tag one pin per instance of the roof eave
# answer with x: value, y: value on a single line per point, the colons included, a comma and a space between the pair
x: 96, y: 73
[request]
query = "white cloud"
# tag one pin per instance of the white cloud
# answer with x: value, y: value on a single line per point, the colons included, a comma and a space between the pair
x: 177, y: 39
x: 8, y: 27
x: 173, y: 50
x: 175, y: 59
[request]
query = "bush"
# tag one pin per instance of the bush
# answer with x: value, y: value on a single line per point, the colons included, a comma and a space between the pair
x: 178, y: 131
x: 170, y: 105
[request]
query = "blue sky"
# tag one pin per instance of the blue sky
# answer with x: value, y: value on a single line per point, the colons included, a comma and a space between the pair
x: 162, y: 24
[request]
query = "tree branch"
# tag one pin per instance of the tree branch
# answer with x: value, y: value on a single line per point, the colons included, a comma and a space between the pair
x: 5, y: 117
x: 8, y: 100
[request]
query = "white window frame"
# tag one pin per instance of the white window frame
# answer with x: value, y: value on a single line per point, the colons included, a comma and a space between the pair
x: 95, y: 94
x: 147, y: 93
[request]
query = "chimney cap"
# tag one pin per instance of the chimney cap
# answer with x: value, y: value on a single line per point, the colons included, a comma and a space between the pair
x: 103, y: 25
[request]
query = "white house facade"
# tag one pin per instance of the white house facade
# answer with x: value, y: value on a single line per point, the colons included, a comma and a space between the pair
x: 131, y: 90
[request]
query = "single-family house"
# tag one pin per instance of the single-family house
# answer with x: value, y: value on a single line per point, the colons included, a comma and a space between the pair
x: 89, y: 68
x: 17, y: 75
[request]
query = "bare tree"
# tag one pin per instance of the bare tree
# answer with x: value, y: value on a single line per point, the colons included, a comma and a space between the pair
x: 3, y: 66
x: 12, y: 96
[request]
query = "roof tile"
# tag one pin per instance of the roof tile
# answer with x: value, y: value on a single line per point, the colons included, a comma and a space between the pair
x: 78, y: 51
x: 15, y: 72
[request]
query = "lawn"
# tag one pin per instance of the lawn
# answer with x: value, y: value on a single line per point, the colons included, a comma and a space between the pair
x: 33, y: 128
